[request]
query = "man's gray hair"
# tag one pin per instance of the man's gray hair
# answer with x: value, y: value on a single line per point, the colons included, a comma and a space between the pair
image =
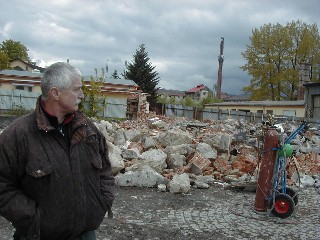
x: 58, y: 75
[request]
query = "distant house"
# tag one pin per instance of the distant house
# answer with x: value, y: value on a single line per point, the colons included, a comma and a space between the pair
x: 30, y: 81
x: 168, y: 94
x: 312, y: 99
x: 20, y: 80
x: 199, y: 92
x: 21, y: 65
x: 117, y: 91
x: 284, y: 108
x: 116, y: 88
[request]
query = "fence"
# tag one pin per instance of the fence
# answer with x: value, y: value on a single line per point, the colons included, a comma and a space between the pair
x: 14, y: 99
x: 217, y: 114
x: 11, y: 99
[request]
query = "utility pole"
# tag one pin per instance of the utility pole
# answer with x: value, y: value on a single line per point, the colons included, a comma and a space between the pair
x: 220, y: 60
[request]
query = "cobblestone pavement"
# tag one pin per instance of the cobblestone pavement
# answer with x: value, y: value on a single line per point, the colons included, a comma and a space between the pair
x: 214, y: 213
x: 207, y: 214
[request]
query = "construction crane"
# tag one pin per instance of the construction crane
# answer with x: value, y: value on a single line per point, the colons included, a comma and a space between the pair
x: 220, y: 60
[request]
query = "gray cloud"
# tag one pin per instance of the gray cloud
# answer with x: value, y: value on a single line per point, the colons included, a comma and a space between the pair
x: 182, y: 37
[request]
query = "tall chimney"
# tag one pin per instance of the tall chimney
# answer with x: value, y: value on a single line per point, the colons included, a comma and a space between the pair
x: 304, y: 76
x: 220, y: 60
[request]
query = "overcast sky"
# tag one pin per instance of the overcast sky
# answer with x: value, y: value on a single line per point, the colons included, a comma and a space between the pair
x: 182, y: 37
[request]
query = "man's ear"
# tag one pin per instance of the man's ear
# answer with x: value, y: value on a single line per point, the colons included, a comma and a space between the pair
x: 54, y: 92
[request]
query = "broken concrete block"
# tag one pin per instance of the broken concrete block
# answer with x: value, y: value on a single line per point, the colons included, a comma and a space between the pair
x: 155, y: 158
x: 183, y: 149
x: 162, y: 187
x: 130, y: 154
x: 117, y: 162
x: 119, y: 138
x: 206, y: 150
x: 142, y: 176
x: 199, y: 184
x: 175, y: 137
x: 148, y: 142
x: 180, y: 183
x: 132, y: 135
x: 198, y: 163
x: 175, y: 161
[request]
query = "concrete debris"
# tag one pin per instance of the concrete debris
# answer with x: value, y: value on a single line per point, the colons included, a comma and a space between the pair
x: 162, y: 187
x: 200, y: 154
x: 155, y: 158
x: 140, y: 176
x: 180, y: 183
x: 115, y: 155
x: 199, y: 163
x: 173, y: 153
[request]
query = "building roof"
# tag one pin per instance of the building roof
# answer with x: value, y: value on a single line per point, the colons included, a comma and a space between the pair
x: 110, y: 85
x: 234, y: 98
x: 21, y: 73
x: 41, y: 69
x: 196, y: 89
x: 308, y: 84
x: 260, y: 103
x: 170, y: 92
x: 86, y: 78
x: 114, y: 81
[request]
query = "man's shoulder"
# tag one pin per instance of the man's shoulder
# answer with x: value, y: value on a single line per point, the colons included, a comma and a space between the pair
x: 20, y: 124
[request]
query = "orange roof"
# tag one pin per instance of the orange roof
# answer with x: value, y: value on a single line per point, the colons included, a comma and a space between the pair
x: 196, y: 89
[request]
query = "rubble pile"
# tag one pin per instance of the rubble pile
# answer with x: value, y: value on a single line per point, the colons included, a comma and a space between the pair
x: 174, y: 153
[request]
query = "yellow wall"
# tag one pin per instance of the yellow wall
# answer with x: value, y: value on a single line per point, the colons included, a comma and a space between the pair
x: 9, y: 86
x: 277, y: 110
x: 18, y: 63
x: 6, y: 86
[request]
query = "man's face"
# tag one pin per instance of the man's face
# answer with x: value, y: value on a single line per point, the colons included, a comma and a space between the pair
x: 70, y: 98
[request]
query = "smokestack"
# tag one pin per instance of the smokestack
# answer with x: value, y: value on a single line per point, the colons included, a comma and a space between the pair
x: 220, y: 60
x: 304, y: 77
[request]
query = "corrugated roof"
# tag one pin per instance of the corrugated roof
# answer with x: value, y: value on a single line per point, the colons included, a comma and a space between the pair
x: 170, y: 92
x: 312, y: 84
x: 114, y: 81
x: 20, y: 73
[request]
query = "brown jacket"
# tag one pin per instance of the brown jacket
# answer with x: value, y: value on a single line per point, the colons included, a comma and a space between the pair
x: 49, y: 190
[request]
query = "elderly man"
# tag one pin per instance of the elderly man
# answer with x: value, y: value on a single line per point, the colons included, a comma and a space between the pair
x: 56, y: 181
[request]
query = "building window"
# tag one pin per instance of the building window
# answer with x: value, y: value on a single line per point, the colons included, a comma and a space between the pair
x: 289, y: 113
x: 316, y: 106
x: 260, y: 111
x: 30, y: 89
x: 270, y: 112
x: 19, y: 87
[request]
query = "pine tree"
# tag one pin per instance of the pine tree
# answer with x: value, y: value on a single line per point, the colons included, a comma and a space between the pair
x: 115, y: 75
x: 143, y: 74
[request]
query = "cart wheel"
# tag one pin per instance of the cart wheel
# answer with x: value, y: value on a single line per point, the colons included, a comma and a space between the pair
x: 292, y: 193
x: 283, y: 206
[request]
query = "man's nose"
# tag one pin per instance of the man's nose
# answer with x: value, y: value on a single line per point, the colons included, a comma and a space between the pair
x: 81, y: 95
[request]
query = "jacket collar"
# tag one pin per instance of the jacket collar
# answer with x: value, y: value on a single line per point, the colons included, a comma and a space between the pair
x: 43, y: 122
